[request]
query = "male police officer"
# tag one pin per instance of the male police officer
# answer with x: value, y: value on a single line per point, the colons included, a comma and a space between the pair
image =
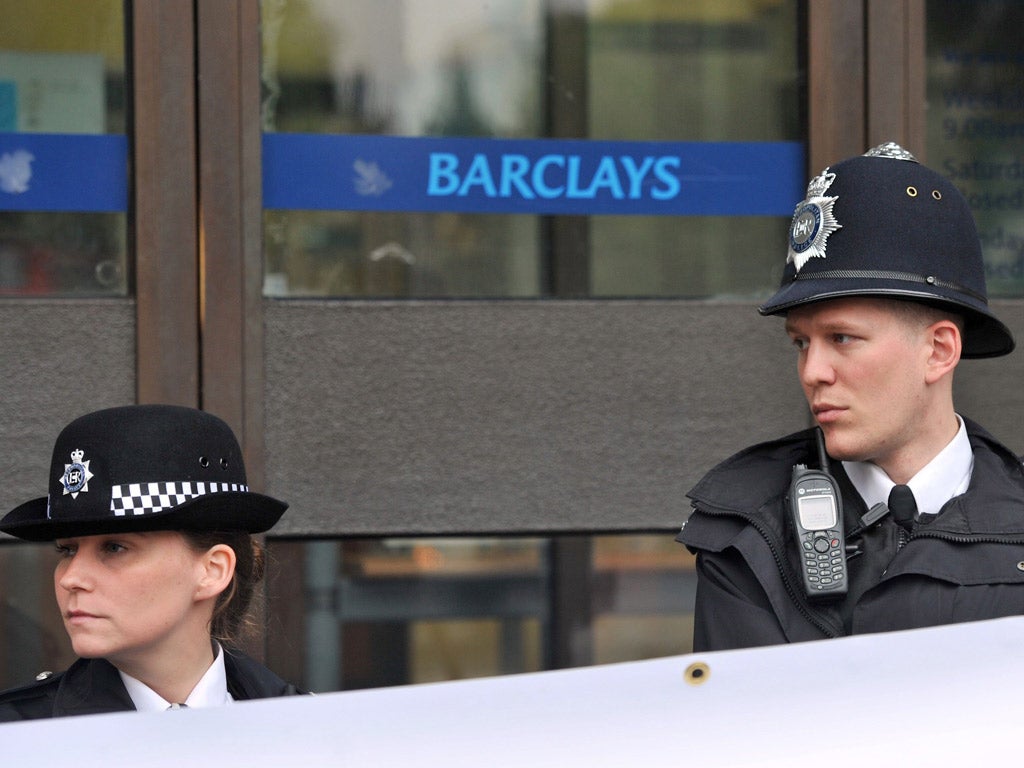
x: 883, y: 293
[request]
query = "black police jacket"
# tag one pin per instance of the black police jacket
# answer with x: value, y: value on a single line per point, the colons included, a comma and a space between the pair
x: 964, y: 564
x: 93, y: 686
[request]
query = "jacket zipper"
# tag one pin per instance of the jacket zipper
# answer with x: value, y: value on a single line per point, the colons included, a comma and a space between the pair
x: 781, y: 565
x: 919, y: 533
x: 905, y: 536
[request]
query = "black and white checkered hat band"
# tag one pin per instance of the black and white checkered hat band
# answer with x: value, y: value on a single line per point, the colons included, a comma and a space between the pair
x: 149, y: 498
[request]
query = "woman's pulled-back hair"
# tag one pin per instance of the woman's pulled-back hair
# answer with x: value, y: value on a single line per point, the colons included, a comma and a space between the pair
x: 231, y: 618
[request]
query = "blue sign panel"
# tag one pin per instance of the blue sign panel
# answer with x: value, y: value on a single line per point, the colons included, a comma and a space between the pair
x: 63, y: 172
x: 540, y: 176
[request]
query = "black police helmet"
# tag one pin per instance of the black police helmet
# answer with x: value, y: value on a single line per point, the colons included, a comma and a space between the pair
x: 884, y: 225
x: 144, y: 468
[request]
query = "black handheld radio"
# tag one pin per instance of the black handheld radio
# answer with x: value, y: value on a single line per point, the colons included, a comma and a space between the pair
x: 817, y: 511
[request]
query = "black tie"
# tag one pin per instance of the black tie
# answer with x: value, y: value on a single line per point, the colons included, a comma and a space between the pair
x: 903, y: 506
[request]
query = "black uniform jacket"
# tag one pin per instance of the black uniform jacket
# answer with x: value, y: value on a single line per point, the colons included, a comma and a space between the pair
x: 965, y: 563
x: 93, y: 686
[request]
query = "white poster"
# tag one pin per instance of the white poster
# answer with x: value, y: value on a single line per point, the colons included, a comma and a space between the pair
x: 51, y: 92
x: 935, y: 697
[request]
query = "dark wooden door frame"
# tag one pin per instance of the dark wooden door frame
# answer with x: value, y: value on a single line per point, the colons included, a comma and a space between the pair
x: 164, y: 200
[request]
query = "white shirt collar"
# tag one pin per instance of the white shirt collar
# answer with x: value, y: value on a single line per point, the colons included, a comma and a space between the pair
x: 945, y: 476
x: 210, y: 691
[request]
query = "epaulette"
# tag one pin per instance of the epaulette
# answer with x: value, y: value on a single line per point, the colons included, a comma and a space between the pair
x: 37, y: 687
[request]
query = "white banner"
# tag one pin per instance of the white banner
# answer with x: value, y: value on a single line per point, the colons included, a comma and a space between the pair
x: 936, y: 697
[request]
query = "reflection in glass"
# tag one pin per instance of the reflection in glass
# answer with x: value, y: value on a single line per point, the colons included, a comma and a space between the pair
x: 338, y: 253
x: 403, y: 68
x: 645, y: 591
x: 976, y: 123
x: 691, y: 72
x: 604, y: 69
x: 32, y: 636
x: 62, y: 254
x: 62, y: 70
x: 374, y: 612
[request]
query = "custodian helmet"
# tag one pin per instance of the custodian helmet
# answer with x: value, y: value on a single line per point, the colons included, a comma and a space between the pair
x: 881, y: 224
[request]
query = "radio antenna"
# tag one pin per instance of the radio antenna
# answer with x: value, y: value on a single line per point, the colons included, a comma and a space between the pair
x: 822, y: 453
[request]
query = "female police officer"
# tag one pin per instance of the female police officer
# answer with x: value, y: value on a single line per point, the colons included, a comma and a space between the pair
x: 152, y: 519
x: 883, y: 293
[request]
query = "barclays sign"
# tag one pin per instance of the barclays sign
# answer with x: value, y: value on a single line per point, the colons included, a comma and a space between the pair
x: 539, y: 176
x: 552, y: 176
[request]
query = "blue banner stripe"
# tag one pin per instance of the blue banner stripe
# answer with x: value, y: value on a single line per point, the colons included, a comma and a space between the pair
x: 540, y: 176
x: 63, y: 172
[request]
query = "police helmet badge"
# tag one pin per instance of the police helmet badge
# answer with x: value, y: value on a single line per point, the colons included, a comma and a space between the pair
x: 76, y: 475
x: 891, y: 150
x: 813, y: 222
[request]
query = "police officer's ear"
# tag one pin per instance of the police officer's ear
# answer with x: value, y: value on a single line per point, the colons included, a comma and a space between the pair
x: 946, y: 344
x: 217, y: 567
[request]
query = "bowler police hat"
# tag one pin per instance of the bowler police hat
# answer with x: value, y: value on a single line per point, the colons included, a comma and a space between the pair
x: 143, y: 468
x: 884, y: 225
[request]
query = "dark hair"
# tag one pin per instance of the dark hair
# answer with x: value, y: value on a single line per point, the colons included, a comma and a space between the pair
x: 231, y: 618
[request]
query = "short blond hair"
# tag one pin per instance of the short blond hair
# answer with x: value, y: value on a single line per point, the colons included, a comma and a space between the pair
x: 921, y: 314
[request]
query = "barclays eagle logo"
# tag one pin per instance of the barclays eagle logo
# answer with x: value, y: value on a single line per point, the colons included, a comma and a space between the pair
x: 370, y: 180
x: 15, y: 171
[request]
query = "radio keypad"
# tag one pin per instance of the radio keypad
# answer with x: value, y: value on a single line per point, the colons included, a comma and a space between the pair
x: 823, y: 558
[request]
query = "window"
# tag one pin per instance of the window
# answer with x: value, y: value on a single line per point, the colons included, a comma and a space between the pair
x: 63, y: 149
x: 976, y: 124
x: 526, y: 70
x: 363, y: 613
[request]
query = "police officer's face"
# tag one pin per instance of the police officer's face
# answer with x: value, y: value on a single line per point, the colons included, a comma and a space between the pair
x: 870, y: 377
x: 130, y: 597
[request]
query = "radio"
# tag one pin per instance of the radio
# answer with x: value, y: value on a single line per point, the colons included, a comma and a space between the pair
x: 817, y: 512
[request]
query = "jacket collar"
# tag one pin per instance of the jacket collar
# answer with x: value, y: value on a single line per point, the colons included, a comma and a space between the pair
x: 94, y: 686
x: 996, y: 488
x: 248, y: 679
x: 91, y: 687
